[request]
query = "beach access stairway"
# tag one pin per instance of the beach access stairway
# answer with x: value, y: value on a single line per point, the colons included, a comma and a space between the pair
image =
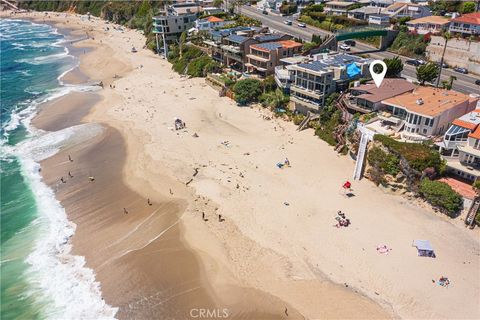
x: 304, y: 124
x: 472, y: 212
x: 9, y: 4
x: 362, y: 150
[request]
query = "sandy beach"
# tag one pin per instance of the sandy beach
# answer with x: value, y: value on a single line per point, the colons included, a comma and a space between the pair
x: 277, y: 253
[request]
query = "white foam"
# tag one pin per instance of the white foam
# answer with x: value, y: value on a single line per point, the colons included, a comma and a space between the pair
x: 65, y: 283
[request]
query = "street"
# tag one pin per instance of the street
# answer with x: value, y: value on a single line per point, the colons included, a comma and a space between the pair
x: 464, y: 83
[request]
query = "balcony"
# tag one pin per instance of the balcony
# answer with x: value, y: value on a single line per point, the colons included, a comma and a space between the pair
x: 305, y: 102
x: 282, y: 74
x: 468, y: 168
x: 257, y: 58
x: 310, y: 93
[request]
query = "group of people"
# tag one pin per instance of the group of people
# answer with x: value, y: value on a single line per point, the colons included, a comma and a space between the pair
x: 286, y: 162
x: 342, y: 220
x: 179, y: 124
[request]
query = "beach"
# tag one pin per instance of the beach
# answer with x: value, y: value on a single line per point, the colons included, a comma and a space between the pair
x: 276, y: 253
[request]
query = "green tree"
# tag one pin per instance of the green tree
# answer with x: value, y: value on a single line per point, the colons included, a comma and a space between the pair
x: 427, y: 72
x: 447, y: 36
x: 183, y: 39
x: 441, y: 195
x: 274, y: 99
x: 217, y: 3
x: 269, y: 84
x: 394, y: 67
x: 467, y: 7
x: 247, y: 90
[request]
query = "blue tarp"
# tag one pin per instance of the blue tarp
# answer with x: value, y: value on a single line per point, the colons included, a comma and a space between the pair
x: 353, y: 70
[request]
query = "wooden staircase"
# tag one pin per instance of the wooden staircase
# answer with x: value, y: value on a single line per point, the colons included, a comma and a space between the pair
x: 472, y: 213
x: 304, y: 124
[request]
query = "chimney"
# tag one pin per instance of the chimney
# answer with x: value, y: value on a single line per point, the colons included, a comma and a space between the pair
x: 419, y: 101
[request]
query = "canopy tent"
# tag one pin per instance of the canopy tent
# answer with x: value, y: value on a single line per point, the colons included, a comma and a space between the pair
x: 424, y: 248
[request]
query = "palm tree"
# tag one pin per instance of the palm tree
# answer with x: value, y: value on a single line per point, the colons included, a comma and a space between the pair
x: 447, y: 36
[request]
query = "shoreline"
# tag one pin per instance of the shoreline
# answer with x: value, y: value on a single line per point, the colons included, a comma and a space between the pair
x: 287, y: 279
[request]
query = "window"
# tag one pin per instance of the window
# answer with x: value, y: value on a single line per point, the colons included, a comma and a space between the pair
x: 424, y: 131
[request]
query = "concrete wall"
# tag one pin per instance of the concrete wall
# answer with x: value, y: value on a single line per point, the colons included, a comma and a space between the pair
x: 459, y: 53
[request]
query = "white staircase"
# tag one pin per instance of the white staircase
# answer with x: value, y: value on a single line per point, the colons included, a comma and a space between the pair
x: 362, y: 149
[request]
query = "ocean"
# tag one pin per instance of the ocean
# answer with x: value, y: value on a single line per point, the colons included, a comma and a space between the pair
x: 40, y: 279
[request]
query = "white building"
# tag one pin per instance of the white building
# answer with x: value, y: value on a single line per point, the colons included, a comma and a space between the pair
x: 466, y: 25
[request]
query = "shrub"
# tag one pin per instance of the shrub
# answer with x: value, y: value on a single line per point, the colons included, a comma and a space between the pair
x: 298, y: 118
x: 441, y: 195
x: 408, y: 44
x: 247, y: 90
x: 197, y: 67
x: 269, y: 84
x: 379, y: 159
x: 418, y: 156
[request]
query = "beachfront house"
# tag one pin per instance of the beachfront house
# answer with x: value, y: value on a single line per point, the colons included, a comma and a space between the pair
x: 429, y: 24
x: 337, y: 7
x: 264, y: 57
x: 466, y: 25
x: 460, y: 146
x: 283, y: 74
x: 231, y: 46
x: 405, y: 9
x: 426, y: 112
x: 170, y: 24
x: 368, y: 98
x: 326, y: 73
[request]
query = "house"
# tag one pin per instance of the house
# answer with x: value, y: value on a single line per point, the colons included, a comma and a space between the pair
x: 283, y: 76
x: 466, y: 25
x: 381, y: 3
x: 231, y: 46
x: 211, y: 10
x: 379, y: 19
x: 460, y: 146
x: 426, y: 112
x: 337, y: 7
x: 313, y: 81
x: 185, y: 7
x: 210, y: 23
x: 429, y: 24
x: 367, y: 97
x: 403, y: 9
x: 171, y: 25
x: 363, y: 13
x: 264, y: 57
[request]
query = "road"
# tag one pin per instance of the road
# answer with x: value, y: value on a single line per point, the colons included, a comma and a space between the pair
x: 464, y: 83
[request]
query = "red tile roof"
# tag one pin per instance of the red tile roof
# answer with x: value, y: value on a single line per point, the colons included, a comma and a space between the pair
x: 214, y: 19
x: 464, y: 124
x: 286, y: 44
x: 472, y: 18
x: 475, y: 134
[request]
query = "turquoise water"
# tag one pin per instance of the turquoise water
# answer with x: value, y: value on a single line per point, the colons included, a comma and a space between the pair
x: 39, y: 277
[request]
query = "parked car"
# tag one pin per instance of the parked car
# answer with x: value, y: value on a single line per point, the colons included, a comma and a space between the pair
x: 460, y: 70
x: 302, y: 25
x: 344, y: 47
x: 265, y: 12
x: 288, y: 22
x: 444, y: 65
x: 413, y: 62
x: 477, y: 82
x: 351, y: 43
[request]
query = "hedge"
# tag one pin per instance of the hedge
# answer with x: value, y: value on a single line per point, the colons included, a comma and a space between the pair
x: 441, y: 195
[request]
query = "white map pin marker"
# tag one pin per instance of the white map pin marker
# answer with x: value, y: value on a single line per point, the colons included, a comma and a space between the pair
x: 378, y: 77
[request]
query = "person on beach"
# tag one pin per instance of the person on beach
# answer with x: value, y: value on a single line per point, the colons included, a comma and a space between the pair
x: 148, y: 201
x: 70, y: 175
x: 61, y: 179
x: 287, y: 162
x: 171, y: 192
x: 70, y: 158
x: 125, y: 211
x: 286, y: 311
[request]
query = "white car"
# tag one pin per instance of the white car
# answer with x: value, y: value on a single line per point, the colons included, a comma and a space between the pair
x: 288, y: 22
x: 344, y: 47
x: 302, y: 25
